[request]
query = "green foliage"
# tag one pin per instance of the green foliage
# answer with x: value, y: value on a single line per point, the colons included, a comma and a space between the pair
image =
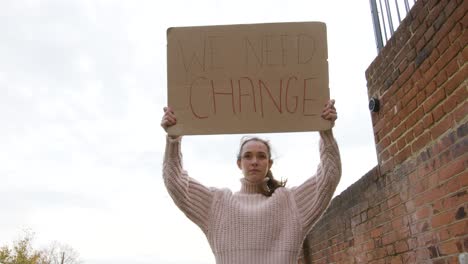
x: 22, y: 252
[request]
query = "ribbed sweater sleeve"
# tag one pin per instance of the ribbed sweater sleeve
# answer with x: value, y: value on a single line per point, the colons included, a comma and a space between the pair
x: 314, y: 195
x: 193, y: 198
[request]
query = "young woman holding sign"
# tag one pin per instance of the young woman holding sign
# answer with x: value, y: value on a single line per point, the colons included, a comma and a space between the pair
x: 265, y: 222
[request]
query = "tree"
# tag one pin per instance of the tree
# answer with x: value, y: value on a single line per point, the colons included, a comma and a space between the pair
x: 59, y: 254
x: 22, y: 252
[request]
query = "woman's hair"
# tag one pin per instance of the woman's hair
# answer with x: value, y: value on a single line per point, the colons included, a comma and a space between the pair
x: 272, y: 183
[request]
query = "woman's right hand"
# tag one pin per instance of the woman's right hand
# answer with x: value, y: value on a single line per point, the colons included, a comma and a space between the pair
x: 169, y: 119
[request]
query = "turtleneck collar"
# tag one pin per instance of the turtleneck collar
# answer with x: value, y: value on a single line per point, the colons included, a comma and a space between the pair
x: 253, y: 187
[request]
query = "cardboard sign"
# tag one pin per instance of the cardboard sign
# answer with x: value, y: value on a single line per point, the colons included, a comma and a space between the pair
x: 256, y: 78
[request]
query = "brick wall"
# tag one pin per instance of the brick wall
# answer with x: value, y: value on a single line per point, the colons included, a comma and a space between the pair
x: 412, y: 207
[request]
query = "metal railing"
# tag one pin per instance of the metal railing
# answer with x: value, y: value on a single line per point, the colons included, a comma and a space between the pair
x: 386, y: 17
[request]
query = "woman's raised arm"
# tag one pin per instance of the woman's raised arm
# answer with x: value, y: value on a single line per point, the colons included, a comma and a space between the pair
x: 314, y: 195
x: 193, y: 198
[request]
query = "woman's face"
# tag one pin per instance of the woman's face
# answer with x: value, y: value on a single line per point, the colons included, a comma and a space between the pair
x: 254, y: 161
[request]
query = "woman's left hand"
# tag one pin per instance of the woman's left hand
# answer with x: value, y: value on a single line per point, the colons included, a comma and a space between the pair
x: 329, y: 112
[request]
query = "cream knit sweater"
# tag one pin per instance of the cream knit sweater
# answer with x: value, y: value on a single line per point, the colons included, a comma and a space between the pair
x: 248, y: 227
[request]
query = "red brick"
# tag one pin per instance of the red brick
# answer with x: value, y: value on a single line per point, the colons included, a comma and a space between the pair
x: 379, y: 125
x: 386, y: 130
x: 388, y: 238
x: 438, y: 113
x: 384, y: 156
x: 429, y: 167
x: 456, y: 32
x: 422, y: 213
x: 409, y: 257
x: 422, y: 254
x: 376, y: 232
x: 452, y: 68
x: 383, y: 144
x: 428, y: 81
x: 464, y: 179
x: 451, y: 169
x: 440, y: 78
x: 413, y: 177
x: 409, y: 136
x: 395, y: 260
x: 426, y: 239
x: 434, y: 198
x: 433, y: 14
x: 401, y: 60
x: 442, y: 46
x: 420, y: 97
x: 393, y: 201
x: 456, y: 199
x: 418, y: 129
x: 404, y: 76
x: 441, y: 127
x: 401, y: 143
x: 401, y: 246
x: 396, y: 121
x: 420, y: 41
x: 429, y: 33
x: 414, y: 117
x: 390, y: 250
x: 422, y: 186
x: 444, y: 30
x: 450, y: 7
x: 433, y: 57
x: 387, y: 166
x: 409, y: 94
x: 409, y: 108
x: 379, y: 253
x: 427, y: 76
x: 433, y: 180
x: 397, y: 132
x: 448, y: 247
x: 403, y: 155
x: 456, y: 80
x: 418, y: 37
x: 400, y: 222
x: 433, y: 6
x: 457, y: 229
x: 428, y: 120
x: 433, y: 100
x: 460, y: 112
x: 447, y: 56
x: 465, y: 53
x: 418, y: 13
x: 420, y: 142
x: 442, y: 219
x: 442, y: 146
x: 399, y: 210
x: 460, y: 94
x: 460, y: 59
x: 452, y: 101
x: 392, y: 149
x: 452, y: 185
x: 417, y: 74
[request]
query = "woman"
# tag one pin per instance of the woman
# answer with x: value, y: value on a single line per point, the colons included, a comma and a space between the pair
x: 263, y: 223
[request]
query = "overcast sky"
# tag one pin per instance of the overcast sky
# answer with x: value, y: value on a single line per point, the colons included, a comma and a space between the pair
x: 82, y: 87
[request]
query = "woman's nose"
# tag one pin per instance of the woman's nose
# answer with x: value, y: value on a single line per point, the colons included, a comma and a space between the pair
x: 253, y: 160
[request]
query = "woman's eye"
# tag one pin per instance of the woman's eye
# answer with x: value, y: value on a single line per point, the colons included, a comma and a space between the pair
x: 247, y: 156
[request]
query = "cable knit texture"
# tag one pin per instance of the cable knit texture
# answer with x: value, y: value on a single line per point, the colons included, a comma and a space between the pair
x: 248, y: 227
